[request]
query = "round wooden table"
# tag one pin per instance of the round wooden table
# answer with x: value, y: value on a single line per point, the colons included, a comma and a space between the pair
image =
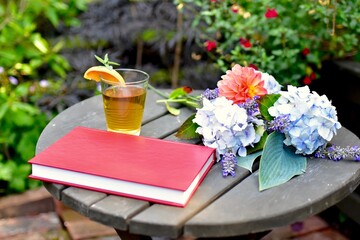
x: 221, y: 207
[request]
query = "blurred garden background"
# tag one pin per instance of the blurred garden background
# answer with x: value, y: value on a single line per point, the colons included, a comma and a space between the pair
x: 47, y: 45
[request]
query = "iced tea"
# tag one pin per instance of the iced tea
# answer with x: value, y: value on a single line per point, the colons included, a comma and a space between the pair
x: 124, y: 107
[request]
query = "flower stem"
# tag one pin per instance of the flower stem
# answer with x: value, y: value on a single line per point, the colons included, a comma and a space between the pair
x: 158, y: 92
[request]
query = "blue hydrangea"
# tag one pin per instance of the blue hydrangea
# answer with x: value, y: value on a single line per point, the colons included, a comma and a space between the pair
x: 226, y: 126
x: 270, y: 83
x: 313, y: 120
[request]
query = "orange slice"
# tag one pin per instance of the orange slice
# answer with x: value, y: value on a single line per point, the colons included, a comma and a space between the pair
x: 97, y: 73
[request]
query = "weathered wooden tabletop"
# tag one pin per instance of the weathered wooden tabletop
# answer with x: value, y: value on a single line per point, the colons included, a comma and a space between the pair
x: 221, y: 206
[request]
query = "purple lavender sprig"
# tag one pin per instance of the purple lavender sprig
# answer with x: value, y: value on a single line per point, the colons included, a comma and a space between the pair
x: 210, y: 94
x: 278, y: 124
x: 338, y: 153
x: 228, y: 162
x: 251, y: 106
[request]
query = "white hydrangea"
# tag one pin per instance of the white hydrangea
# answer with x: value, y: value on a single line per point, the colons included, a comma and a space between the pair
x: 313, y: 120
x: 226, y: 126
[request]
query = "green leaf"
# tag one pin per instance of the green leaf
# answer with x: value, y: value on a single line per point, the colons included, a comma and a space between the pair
x: 260, y: 145
x: 22, y: 118
x: 58, y: 46
x: 187, y: 129
x: 114, y: 63
x: 265, y: 103
x: 18, y: 184
x: 180, y: 92
x: 22, y: 90
x: 149, y: 35
x: 40, y: 43
x: 106, y: 58
x: 279, y: 163
x: 26, y: 145
x: 106, y: 61
x: 52, y: 16
x: 248, y: 161
x: 172, y: 110
x: 3, y: 109
x: 100, y: 59
x: 6, y: 170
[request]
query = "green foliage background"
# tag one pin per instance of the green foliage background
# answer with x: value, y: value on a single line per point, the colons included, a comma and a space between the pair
x: 30, y: 65
x: 329, y: 29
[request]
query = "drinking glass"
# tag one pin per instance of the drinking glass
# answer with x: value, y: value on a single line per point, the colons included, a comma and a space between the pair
x: 124, y: 104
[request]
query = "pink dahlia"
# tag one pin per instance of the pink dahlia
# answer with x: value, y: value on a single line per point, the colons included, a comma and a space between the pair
x: 241, y: 83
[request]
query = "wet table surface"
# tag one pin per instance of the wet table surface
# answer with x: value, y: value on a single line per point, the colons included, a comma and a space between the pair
x: 220, y: 207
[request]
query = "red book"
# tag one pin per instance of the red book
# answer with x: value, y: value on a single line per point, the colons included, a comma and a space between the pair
x: 126, y: 165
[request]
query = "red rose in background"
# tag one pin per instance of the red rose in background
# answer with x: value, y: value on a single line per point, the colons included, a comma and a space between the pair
x: 253, y: 66
x: 307, y: 80
x: 271, y: 13
x: 210, y: 45
x: 312, y: 76
x: 305, y: 51
x: 235, y: 8
x: 245, y: 43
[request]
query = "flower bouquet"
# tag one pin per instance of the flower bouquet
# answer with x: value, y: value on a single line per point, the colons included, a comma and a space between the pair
x: 248, y: 116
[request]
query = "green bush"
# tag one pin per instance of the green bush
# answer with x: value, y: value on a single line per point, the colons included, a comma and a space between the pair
x: 30, y: 65
x: 24, y: 51
x: 21, y: 124
x: 288, y: 39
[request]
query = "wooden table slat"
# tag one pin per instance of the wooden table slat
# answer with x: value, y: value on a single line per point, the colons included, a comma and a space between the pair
x: 116, y: 211
x: 165, y: 125
x: 162, y: 220
x: 55, y: 189
x: 80, y: 199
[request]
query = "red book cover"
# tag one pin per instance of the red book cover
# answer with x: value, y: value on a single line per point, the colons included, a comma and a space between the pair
x: 133, y: 166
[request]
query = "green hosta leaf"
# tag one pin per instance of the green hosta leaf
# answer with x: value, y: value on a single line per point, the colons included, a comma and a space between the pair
x: 265, y: 103
x: 279, y: 163
x: 172, y: 110
x: 248, y: 161
x: 187, y: 129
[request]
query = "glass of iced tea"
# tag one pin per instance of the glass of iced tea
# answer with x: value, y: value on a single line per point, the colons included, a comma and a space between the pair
x: 124, y: 104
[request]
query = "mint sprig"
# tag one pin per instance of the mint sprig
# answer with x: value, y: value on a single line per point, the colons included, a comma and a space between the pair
x: 106, y: 61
